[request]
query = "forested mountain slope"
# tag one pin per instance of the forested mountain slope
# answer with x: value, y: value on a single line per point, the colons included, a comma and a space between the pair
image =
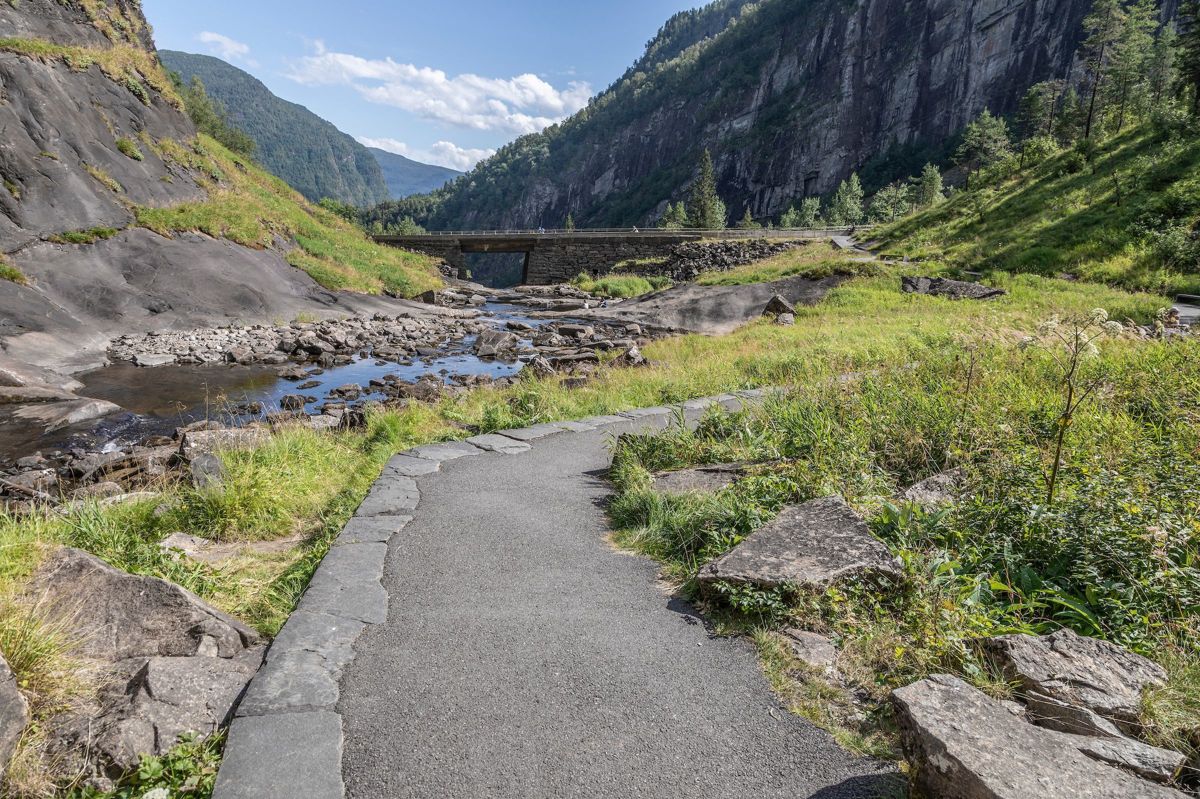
x: 308, y: 152
x: 406, y: 177
x: 791, y: 96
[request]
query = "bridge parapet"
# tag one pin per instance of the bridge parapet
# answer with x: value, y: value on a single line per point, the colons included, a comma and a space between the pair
x: 559, y: 255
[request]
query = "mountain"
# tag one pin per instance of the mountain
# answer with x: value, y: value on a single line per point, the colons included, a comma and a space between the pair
x: 116, y: 217
x: 406, y: 177
x: 311, y: 154
x: 791, y: 96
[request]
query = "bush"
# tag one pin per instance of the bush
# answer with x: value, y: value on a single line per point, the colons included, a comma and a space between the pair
x: 129, y: 149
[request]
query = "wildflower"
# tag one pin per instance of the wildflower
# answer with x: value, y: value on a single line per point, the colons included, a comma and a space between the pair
x: 1099, y: 316
x: 1049, y: 326
x: 1114, y: 328
x: 157, y: 793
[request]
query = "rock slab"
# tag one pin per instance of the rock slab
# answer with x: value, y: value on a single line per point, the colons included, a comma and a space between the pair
x: 14, y: 714
x: 811, y: 545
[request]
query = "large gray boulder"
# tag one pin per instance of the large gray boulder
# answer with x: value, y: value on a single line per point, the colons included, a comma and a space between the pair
x: 167, y: 698
x: 14, y: 715
x: 495, y: 342
x: 1078, y: 671
x: 964, y: 745
x: 116, y: 616
x: 811, y: 545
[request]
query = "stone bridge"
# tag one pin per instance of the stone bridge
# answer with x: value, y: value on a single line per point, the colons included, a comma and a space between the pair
x: 558, y: 256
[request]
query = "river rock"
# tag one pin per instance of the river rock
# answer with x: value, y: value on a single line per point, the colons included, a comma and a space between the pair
x: 14, y: 714
x: 214, y: 441
x: 951, y: 289
x: 811, y: 545
x: 149, y: 360
x: 701, y: 478
x: 540, y: 367
x: 1084, y: 672
x: 116, y: 616
x: 494, y: 342
x: 964, y: 745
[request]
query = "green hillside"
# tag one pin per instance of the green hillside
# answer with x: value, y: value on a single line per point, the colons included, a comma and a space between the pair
x: 406, y: 177
x: 309, y: 153
x: 1127, y: 218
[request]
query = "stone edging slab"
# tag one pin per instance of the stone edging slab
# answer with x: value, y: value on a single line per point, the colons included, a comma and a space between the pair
x: 285, y: 741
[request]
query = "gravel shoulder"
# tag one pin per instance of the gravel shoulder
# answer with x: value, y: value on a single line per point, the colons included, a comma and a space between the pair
x: 524, y: 656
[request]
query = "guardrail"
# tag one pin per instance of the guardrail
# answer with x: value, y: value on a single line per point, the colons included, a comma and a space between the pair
x: 730, y: 233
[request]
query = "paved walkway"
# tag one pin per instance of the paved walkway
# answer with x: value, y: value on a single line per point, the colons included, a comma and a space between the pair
x: 523, y: 656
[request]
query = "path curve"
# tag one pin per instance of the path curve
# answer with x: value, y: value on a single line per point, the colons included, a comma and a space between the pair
x: 523, y: 656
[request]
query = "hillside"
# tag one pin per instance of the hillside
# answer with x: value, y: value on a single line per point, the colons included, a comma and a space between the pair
x: 406, y: 177
x: 1125, y: 219
x: 117, y: 217
x: 309, y: 153
x: 790, y: 97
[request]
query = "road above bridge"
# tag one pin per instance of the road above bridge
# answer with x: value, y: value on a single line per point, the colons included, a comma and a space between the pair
x: 559, y: 255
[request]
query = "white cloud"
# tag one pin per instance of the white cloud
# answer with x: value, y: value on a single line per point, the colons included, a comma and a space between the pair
x: 522, y: 104
x: 226, y: 48
x: 442, y: 153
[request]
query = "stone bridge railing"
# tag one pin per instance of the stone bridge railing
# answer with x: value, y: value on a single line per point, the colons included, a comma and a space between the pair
x: 559, y: 255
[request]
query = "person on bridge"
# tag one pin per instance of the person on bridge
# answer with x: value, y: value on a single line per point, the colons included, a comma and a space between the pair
x: 541, y: 231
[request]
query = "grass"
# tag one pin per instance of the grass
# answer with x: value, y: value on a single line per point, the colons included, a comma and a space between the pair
x: 11, y: 273
x: 128, y: 65
x: 104, y: 179
x: 129, y: 149
x: 619, y: 286
x: 1124, y: 220
x: 1116, y: 556
x: 89, y: 236
x: 251, y: 207
x: 812, y: 261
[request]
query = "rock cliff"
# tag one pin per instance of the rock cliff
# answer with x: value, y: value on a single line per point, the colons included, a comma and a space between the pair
x: 790, y: 97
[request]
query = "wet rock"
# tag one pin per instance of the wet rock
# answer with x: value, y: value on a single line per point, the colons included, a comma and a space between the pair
x: 812, y: 545
x: 779, y: 305
x: 116, y: 616
x: 148, y: 360
x: 1075, y: 670
x: 937, y: 491
x: 815, y: 651
x: 965, y: 745
x: 14, y: 715
x: 240, y: 355
x: 495, y: 342
x: 950, y: 289
x: 701, y: 478
x: 294, y: 373
x: 292, y: 402
x: 308, y: 385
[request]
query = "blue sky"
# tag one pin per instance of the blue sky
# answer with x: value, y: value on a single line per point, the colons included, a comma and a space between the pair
x: 440, y: 82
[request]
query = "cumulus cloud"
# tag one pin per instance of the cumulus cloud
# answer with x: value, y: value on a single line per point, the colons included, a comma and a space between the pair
x: 522, y: 104
x: 226, y: 48
x: 442, y: 153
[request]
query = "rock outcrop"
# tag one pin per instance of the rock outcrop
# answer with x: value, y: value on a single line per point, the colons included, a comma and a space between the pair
x: 949, y: 289
x: 813, y: 545
x: 14, y: 715
x: 964, y: 745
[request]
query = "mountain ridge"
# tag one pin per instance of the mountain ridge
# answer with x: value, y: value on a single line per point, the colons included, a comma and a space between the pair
x: 405, y: 177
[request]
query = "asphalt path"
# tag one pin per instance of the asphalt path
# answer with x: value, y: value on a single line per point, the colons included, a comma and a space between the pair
x: 525, y: 656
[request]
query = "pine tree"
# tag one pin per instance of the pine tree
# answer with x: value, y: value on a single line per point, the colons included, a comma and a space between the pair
x: 1163, y: 65
x: 705, y: 209
x: 570, y: 223
x: 985, y: 142
x: 747, y: 222
x: 929, y: 187
x: 1189, y: 51
x: 890, y: 203
x: 790, y: 219
x: 1070, y: 118
x: 1038, y: 106
x: 847, y: 207
x: 1128, y: 86
x: 675, y: 218
x: 1104, y: 25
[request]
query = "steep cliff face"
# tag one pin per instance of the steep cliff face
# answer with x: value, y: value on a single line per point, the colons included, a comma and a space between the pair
x: 790, y: 95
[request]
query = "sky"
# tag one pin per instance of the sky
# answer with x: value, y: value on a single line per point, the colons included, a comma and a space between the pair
x: 443, y: 83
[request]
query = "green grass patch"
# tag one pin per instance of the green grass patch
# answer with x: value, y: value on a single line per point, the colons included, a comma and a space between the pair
x: 129, y: 149
x: 619, y: 286
x: 12, y: 274
x: 128, y: 65
x: 248, y: 206
x: 814, y: 261
x: 90, y: 236
x: 1125, y: 220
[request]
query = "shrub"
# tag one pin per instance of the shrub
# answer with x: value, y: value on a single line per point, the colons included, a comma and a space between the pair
x: 129, y: 149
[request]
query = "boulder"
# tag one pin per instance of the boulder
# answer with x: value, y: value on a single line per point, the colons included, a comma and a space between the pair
x: 701, y: 478
x: 116, y: 616
x: 779, y: 305
x: 14, y: 715
x: 213, y: 441
x: 206, y: 470
x: 950, y: 289
x: 631, y: 358
x: 494, y: 342
x: 937, y: 491
x: 1142, y: 759
x: 1079, y: 671
x: 540, y: 367
x: 785, y: 319
x: 964, y: 745
x: 149, y: 360
x: 811, y: 545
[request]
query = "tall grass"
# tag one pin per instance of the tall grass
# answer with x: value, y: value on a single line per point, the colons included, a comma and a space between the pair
x: 619, y: 286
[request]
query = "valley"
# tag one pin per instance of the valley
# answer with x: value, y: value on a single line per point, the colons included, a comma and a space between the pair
x: 812, y: 412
